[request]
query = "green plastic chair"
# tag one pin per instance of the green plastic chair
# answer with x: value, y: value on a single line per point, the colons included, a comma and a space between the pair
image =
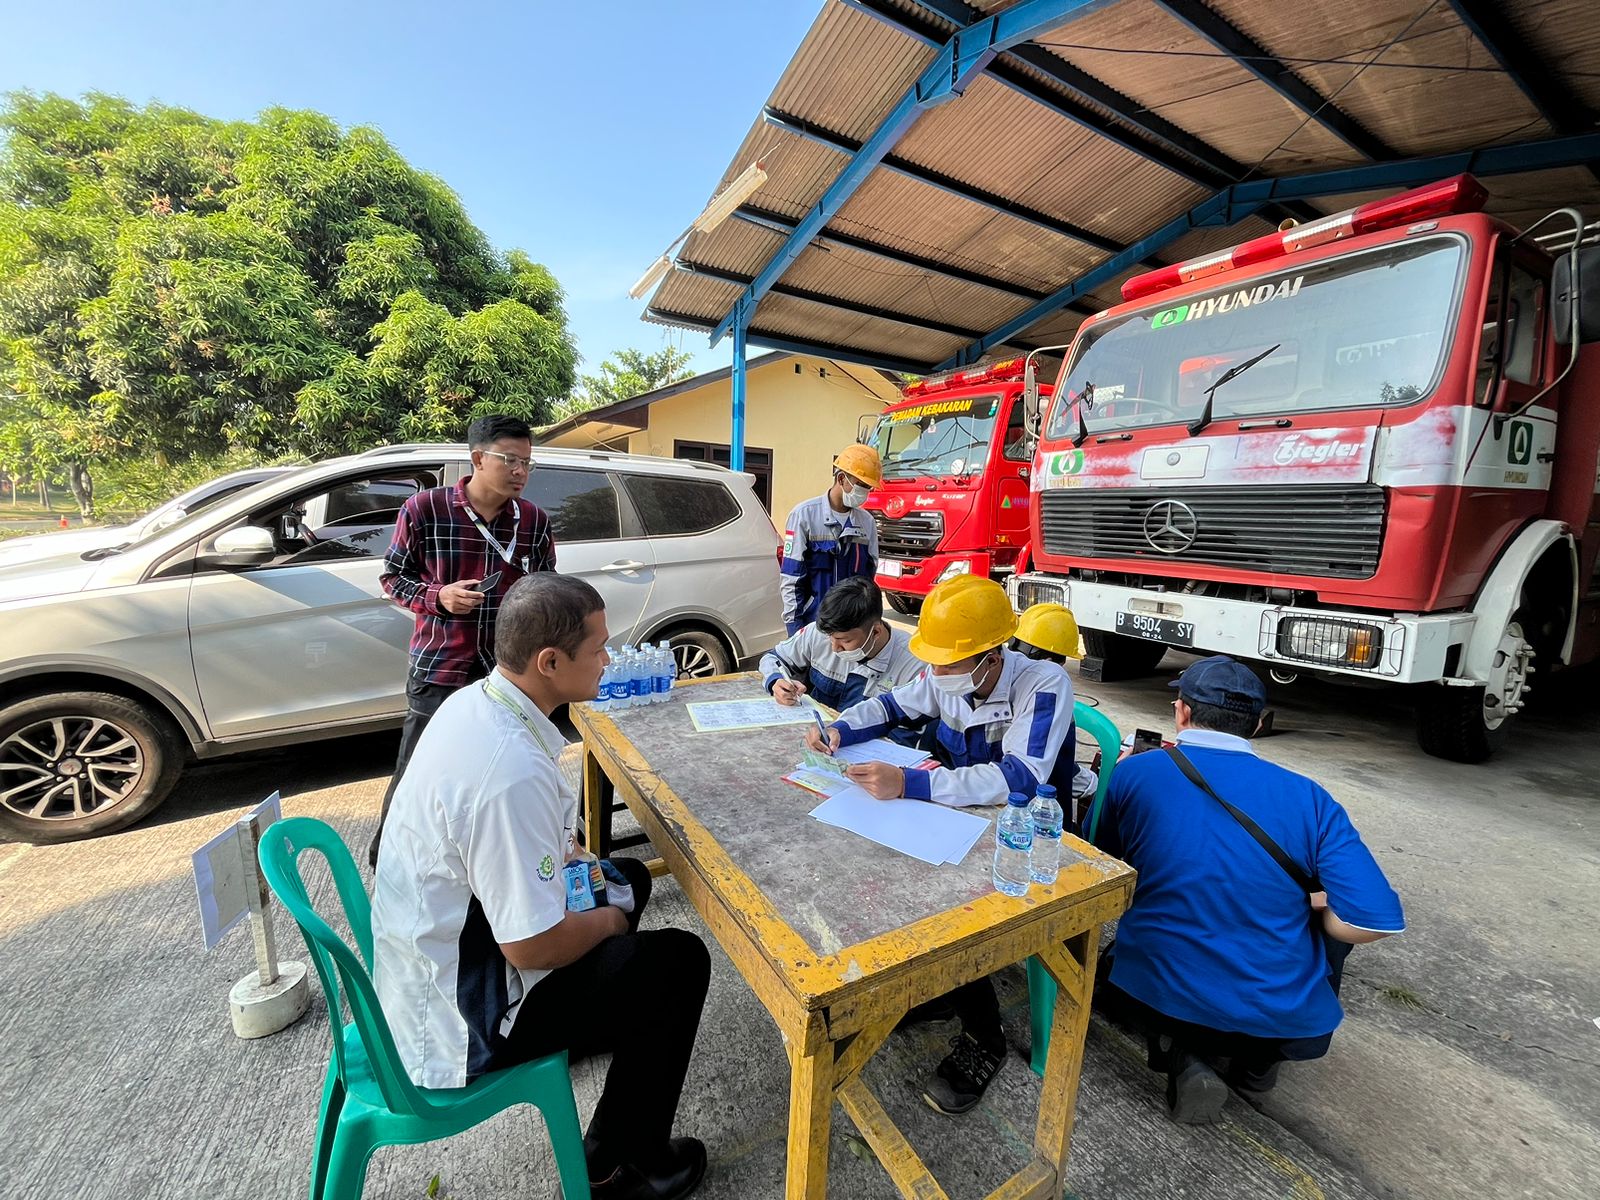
x: 1041, y: 987
x: 368, y: 1100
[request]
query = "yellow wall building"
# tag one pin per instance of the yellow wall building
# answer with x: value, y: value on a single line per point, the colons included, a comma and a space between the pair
x: 799, y: 412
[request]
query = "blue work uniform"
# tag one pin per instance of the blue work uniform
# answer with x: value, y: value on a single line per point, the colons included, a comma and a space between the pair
x: 809, y: 658
x: 821, y: 547
x: 1218, y: 934
x: 1021, y: 736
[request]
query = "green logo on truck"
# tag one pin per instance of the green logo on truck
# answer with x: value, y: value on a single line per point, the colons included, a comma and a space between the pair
x: 1520, y: 449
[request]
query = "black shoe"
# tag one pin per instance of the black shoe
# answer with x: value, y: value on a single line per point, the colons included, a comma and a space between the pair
x: 1195, y: 1093
x: 1253, y: 1087
x: 940, y: 1008
x: 678, y: 1175
x: 962, y: 1078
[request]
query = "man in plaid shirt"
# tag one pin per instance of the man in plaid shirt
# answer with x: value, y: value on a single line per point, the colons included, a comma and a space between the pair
x: 447, y: 543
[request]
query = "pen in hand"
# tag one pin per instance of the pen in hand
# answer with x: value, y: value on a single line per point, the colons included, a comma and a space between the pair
x: 822, y: 732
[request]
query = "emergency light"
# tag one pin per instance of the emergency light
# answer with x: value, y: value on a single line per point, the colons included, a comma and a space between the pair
x: 1011, y: 368
x: 1461, y: 194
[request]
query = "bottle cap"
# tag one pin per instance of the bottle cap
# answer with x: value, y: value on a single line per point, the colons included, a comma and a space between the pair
x: 1017, y: 800
x: 1047, y: 789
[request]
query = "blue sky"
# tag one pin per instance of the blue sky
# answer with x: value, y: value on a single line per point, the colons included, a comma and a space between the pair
x: 588, y: 134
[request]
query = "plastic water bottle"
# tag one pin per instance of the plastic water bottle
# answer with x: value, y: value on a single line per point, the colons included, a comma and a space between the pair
x: 1046, y: 814
x: 1013, y: 847
x: 667, y: 673
x: 639, y: 685
x: 621, y: 694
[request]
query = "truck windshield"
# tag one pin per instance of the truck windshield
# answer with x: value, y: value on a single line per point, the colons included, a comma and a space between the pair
x: 936, y: 437
x: 1356, y: 332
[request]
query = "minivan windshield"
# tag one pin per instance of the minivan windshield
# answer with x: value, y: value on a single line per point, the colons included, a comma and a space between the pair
x: 937, y: 437
x: 1362, y: 331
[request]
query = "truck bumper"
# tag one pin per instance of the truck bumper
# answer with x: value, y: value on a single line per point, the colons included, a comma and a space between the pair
x: 917, y: 576
x: 1394, y: 648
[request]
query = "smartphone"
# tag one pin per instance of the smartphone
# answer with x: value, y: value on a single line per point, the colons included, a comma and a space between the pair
x: 1145, y: 739
x: 487, y: 585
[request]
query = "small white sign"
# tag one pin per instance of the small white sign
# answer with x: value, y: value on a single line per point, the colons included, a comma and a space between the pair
x: 219, y: 875
x: 889, y: 567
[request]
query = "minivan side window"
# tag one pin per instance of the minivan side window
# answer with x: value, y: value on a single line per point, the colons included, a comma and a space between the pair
x: 354, y: 518
x: 581, y: 505
x: 671, y: 507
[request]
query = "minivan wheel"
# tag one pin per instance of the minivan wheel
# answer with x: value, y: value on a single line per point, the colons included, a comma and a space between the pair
x: 76, y: 764
x: 699, y: 655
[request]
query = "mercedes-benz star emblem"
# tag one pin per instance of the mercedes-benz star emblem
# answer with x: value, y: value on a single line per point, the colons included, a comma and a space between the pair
x: 1170, y: 526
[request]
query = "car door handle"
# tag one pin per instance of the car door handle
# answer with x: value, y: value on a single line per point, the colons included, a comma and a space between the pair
x: 623, y: 564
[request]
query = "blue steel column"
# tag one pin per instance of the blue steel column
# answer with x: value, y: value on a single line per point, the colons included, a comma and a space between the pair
x: 736, y: 442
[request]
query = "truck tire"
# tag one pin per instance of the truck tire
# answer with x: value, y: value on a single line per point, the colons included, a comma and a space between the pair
x: 77, y: 764
x: 1120, y: 656
x: 1467, y: 724
x: 909, y: 605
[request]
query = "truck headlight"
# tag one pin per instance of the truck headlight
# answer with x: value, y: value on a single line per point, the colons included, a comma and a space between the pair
x: 961, y: 566
x: 1330, y: 641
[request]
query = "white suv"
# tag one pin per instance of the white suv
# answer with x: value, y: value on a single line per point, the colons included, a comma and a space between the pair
x: 260, y: 622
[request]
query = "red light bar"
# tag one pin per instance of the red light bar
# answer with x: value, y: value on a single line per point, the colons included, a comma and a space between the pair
x: 1011, y: 368
x: 1461, y: 194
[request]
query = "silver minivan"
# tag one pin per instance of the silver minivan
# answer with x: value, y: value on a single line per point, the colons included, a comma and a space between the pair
x: 260, y: 622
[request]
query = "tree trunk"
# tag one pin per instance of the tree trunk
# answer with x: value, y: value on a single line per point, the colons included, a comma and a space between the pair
x: 44, y: 494
x: 82, y: 485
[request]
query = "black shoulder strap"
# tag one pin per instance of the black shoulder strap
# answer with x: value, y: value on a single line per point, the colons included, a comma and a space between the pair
x: 1307, y: 883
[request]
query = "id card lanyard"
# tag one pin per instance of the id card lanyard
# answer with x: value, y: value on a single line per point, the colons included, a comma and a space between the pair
x: 506, y: 553
x: 511, y: 706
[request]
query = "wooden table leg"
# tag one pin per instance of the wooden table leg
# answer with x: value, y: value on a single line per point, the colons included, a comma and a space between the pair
x: 810, y: 1121
x: 596, y: 807
x: 1072, y: 966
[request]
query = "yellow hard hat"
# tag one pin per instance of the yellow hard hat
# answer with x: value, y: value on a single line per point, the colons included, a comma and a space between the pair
x: 862, y: 462
x: 1050, y: 627
x: 962, y: 617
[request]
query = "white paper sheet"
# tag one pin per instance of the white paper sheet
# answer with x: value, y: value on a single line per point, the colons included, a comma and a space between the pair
x: 718, y: 715
x: 930, y: 832
x: 882, y: 750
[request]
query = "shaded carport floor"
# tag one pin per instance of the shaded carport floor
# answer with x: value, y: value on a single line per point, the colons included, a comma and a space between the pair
x: 1466, y: 1066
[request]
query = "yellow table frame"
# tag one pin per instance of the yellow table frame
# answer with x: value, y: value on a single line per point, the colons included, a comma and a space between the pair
x: 836, y: 1010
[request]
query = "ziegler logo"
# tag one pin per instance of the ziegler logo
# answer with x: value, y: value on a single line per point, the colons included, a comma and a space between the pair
x: 1295, y: 449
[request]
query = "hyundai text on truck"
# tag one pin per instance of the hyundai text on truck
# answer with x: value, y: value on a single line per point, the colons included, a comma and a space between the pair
x: 954, y: 498
x: 1366, y: 447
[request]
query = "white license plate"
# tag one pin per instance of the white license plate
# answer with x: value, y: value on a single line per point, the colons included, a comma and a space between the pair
x: 890, y: 567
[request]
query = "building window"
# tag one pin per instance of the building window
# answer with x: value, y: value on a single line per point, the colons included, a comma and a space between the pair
x: 757, y: 462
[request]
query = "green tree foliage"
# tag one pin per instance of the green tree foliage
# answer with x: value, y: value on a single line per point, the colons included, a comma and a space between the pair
x: 632, y: 373
x: 174, y: 287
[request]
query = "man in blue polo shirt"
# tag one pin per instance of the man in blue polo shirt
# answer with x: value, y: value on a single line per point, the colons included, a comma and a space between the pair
x: 1223, y: 957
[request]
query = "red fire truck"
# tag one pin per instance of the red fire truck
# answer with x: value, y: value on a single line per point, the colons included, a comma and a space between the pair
x: 955, y: 495
x: 1366, y: 447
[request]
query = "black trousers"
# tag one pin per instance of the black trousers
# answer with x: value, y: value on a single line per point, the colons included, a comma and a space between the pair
x: 978, y: 1007
x: 422, y: 701
x: 637, y: 996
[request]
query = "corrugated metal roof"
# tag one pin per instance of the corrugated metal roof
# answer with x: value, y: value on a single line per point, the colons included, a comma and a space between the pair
x: 1098, y: 133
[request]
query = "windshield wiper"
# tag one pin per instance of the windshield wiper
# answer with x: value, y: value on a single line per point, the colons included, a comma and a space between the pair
x: 1233, y: 372
x: 1085, y: 400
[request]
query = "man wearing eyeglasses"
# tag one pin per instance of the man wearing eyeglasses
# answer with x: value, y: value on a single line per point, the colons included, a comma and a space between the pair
x: 456, y: 552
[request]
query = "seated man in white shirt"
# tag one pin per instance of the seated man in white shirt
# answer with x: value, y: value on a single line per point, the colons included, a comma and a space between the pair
x: 479, y: 963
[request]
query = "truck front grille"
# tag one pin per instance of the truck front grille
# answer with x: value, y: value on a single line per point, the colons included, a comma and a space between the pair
x: 915, y: 535
x: 1326, y: 530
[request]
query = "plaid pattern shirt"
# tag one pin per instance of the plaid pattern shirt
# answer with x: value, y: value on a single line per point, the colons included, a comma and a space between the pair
x: 436, y: 543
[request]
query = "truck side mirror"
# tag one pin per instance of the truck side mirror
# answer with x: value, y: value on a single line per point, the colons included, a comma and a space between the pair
x: 1586, y: 295
x: 1030, y: 401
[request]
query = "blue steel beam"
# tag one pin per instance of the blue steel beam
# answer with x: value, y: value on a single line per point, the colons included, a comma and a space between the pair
x: 961, y: 59
x: 944, y: 183
x: 1234, y: 203
x: 1254, y: 58
x: 799, y: 346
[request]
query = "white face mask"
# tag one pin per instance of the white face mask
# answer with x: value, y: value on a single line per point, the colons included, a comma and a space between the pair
x: 853, y: 498
x: 859, y: 654
x: 958, y: 685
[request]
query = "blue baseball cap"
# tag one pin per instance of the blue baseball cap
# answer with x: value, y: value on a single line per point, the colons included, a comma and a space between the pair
x: 1224, y: 682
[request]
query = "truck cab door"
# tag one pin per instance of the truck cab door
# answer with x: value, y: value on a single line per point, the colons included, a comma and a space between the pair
x: 1515, y: 361
x: 1012, y: 471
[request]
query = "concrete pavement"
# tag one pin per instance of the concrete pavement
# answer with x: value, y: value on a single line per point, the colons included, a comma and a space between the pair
x: 1467, y: 1065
